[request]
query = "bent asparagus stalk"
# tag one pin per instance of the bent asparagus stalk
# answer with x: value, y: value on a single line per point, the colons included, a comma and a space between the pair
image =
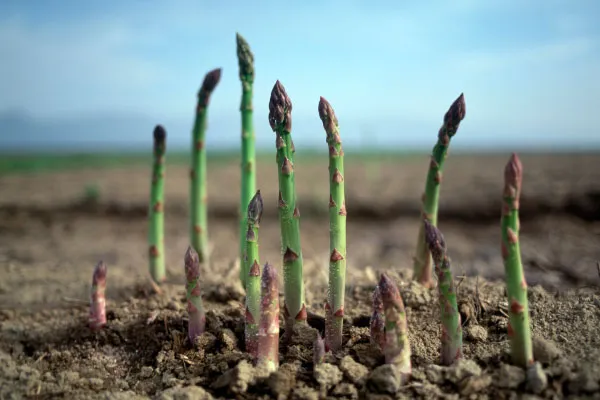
x: 198, y: 200
x: 377, y: 322
x: 519, y: 330
x: 156, y: 229
x: 397, y: 347
x: 451, y: 347
x: 268, y: 331
x: 251, y: 264
x: 334, y: 307
x: 97, y: 317
x: 246, y: 68
x: 195, y: 307
x: 422, y: 261
x: 280, y: 119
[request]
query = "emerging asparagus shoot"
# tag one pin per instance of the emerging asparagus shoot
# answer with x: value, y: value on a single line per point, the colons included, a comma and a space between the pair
x: 268, y: 331
x: 246, y: 68
x: 97, y: 317
x: 519, y: 330
x: 451, y: 325
x: 318, y: 350
x: 251, y: 264
x: 422, y: 261
x: 156, y: 229
x: 195, y: 307
x: 397, y: 347
x: 280, y: 119
x: 198, y: 200
x: 377, y: 323
x: 334, y: 307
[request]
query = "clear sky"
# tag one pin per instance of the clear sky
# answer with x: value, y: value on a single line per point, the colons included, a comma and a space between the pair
x: 530, y: 70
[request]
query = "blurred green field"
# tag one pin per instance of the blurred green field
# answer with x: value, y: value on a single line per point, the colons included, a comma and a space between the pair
x: 41, y: 163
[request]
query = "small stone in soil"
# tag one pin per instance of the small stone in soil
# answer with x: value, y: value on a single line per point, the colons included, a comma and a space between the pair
x: 228, y: 340
x: 509, y: 376
x: 476, y: 333
x: 354, y: 371
x: 536, y: 379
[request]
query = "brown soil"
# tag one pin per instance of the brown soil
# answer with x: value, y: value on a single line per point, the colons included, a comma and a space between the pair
x: 51, y: 238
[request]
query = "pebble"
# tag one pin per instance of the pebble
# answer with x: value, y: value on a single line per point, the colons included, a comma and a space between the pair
x: 355, y: 372
x: 476, y: 333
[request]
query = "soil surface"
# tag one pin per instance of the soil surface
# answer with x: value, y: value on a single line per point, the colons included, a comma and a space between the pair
x: 53, y: 231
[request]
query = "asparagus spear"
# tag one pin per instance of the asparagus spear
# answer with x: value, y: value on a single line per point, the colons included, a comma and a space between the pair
x: 318, y: 350
x: 246, y: 67
x: 156, y: 232
x: 251, y: 264
x: 451, y: 349
x: 280, y: 119
x: 195, y: 307
x: 377, y: 323
x: 337, y: 229
x: 519, y: 330
x: 198, y: 231
x: 397, y: 347
x: 452, y: 119
x: 268, y: 331
x: 97, y: 317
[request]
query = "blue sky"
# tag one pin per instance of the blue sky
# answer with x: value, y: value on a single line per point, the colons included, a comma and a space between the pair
x: 530, y: 70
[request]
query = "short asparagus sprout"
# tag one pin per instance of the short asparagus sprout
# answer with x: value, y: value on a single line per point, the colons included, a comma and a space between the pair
x: 251, y: 264
x: 268, y: 330
x: 318, y: 350
x: 334, y: 318
x: 157, y: 217
x: 422, y: 261
x: 452, y: 337
x: 280, y: 119
x: 377, y: 322
x: 195, y: 307
x: 198, y: 199
x: 97, y: 317
x: 397, y: 347
x: 246, y: 68
x: 519, y: 329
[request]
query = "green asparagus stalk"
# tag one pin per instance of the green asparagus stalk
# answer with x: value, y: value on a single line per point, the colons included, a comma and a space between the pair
x: 198, y: 231
x: 157, y: 218
x: 397, y: 347
x: 195, y: 307
x: 422, y: 261
x: 519, y: 330
x: 251, y: 264
x: 318, y: 350
x: 97, y: 317
x: 280, y: 119
x: 377, y: 322
x: 451, y: 349
x: 337, y: 230
x: 268, y: 331
x: 246, y: 66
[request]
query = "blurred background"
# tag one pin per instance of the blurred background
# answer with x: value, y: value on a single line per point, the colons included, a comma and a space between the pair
x: 82, y: 85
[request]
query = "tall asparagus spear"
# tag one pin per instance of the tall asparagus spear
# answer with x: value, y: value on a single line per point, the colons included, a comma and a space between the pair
x: 519, y: 330
x: 452, y: 119
x: 337, y: 229
x: 98, y: 299
x: 246, y: 66
x: 280, y: 119
x: 251, y: 264
x: 156, y: 238
x: 198, y: 231
x: 377, y: 322
x: 268, y: 331
x: 195, y: 307
x: 396, y: 347
x: 451, y: 326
